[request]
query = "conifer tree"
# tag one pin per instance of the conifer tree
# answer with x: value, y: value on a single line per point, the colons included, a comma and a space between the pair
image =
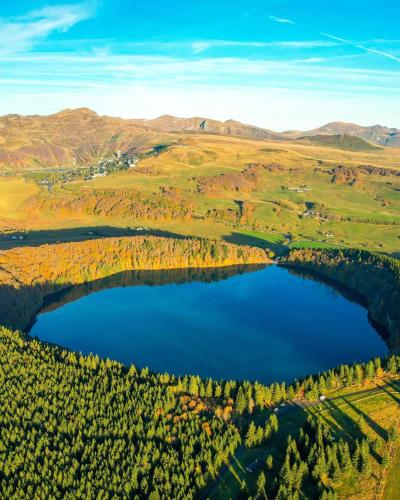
x: 261, y: 486
x: 241, y: 402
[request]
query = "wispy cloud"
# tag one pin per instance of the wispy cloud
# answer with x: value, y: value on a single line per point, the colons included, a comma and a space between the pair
x: 203, y: 45
x: 281, y: 20
x: 122, y: 69
x: 362, y: 47
x: 21, y: 33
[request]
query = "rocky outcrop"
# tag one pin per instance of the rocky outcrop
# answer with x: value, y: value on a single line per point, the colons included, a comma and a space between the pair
x: 342, y: 173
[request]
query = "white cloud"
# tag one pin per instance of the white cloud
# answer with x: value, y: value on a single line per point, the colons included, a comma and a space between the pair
x: 21, y: 33
x: 281, y: 20
x: 223, y: 71
x: 201, y: 46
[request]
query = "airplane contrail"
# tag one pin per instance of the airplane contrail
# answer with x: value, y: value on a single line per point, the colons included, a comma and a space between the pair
x: 360, y: 46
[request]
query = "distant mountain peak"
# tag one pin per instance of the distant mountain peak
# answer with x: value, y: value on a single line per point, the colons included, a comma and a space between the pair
x: 76, y: 111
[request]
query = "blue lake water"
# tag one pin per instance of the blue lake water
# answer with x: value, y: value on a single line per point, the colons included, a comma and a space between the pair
x: 269, y: 324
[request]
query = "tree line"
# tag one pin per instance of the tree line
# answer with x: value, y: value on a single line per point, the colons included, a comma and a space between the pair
x: 75, y: 426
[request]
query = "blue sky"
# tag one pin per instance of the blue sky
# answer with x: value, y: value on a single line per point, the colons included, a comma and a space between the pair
x: 279, y: 64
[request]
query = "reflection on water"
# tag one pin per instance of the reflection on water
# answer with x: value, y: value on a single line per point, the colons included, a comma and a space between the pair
x: 148, y: 278
x: 18, y: 306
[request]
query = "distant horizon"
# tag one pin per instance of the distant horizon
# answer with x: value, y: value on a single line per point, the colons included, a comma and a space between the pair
x: 222, y: 120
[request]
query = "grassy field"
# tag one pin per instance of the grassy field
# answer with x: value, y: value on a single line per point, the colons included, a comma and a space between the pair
x: 378, y: 405
x: 361, y: 212
x: 391, y: 487
x: 13, y: 192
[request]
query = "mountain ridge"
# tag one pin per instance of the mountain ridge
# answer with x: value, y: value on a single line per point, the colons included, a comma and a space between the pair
x: 378, y: 134
x: 79, y: 137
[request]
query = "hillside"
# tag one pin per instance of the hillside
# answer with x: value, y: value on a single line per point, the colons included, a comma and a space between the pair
x: 340, y: 190
x: 384, y: 136
x: 70, y: 138
x: 340, y: 141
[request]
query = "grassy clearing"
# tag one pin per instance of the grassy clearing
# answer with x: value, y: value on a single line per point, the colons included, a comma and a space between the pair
x: 13, y: 192
x: 312, y: 244
x: 379, y: 406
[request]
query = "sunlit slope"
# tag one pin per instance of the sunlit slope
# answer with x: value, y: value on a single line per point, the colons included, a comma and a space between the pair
x: 70, y: 138
x: 292, y: 192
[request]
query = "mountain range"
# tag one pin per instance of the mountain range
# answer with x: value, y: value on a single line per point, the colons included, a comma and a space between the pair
x: 383, y: 136
x: 78, y: 137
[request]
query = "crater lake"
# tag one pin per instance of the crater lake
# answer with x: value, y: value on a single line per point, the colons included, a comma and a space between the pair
x: 259, y: 323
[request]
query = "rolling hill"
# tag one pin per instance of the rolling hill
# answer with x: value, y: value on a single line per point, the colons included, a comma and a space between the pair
x: 341, y: 141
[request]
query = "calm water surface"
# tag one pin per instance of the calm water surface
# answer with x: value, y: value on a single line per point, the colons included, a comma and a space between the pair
x: 267, y: 325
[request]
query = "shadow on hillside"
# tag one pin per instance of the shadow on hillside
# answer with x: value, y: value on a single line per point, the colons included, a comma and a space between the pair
x: 369, y: 421
x: 343, y: 422
x: 65, y: 235
x: 244, y: 239
x: 396, y: 386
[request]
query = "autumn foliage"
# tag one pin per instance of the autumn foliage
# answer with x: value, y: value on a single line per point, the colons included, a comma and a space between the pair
x: 166, y: 205
x: 78, y: 262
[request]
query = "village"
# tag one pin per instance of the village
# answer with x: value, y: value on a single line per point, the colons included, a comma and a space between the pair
x: 119, y: 161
